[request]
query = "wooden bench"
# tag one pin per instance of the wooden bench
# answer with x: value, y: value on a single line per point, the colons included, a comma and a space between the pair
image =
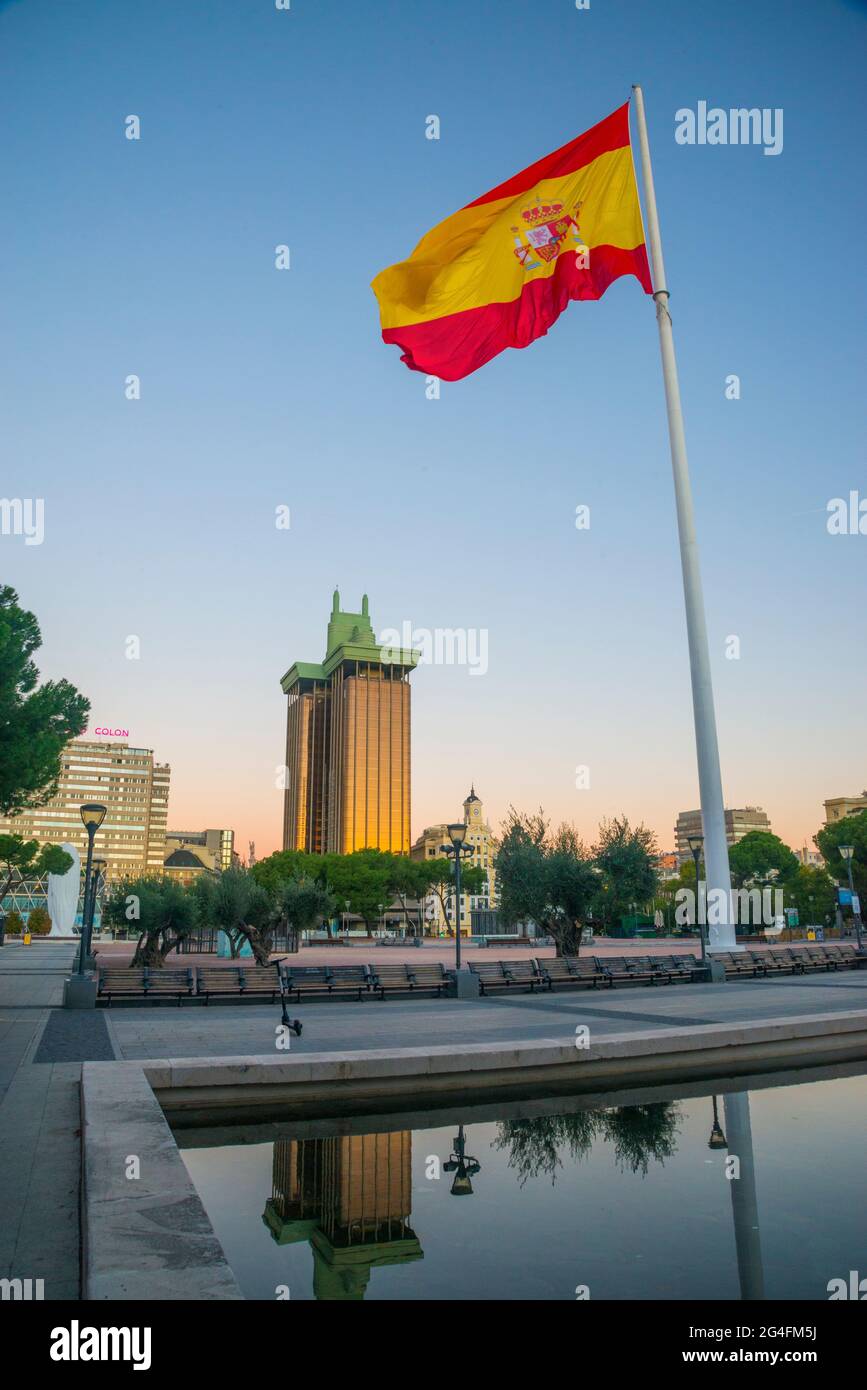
x: 509, y: 941
x: 260, y: 980
x: 121, y: 981
x: 619, y: 971
x: 327, y: 981
x: 649, y: 966
x: 690, y: 963
x: 572, y: 971
x: 408, y: 979
x: 502, y: 974
x: 303, y: 980
x: 144, y: 982
x: 217, y: 981
x: 736, y: 964
x: 845, y: 954
x: 344, y: 980
x: 675, y: 968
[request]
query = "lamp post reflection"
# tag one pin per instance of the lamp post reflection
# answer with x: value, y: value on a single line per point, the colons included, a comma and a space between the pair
x: 462, y: 1165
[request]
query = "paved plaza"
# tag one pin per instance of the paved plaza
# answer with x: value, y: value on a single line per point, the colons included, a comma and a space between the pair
x: 42, y: 1048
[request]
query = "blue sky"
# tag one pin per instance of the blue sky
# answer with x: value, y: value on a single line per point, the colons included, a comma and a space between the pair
x: 262, y: 388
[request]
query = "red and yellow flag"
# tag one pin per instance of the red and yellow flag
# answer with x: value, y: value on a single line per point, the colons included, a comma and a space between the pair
x: 498, y: 273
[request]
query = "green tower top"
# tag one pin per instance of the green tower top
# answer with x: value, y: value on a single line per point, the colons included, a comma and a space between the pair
x: 349, y: 629
x: 350, y: 638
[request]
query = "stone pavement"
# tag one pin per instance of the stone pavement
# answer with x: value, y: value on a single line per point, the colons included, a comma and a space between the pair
x: 39, y: 1124
x: 223, y: 1030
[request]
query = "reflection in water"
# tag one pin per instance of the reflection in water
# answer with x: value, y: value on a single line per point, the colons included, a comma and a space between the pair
x: 550, y: 1207
x: 639, y: 1133
x: 744, y: 1204
x: 463, y: 1167
x: 350, y: 1196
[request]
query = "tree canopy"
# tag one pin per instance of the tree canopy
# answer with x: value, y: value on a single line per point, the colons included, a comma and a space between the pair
x: 36, y: 721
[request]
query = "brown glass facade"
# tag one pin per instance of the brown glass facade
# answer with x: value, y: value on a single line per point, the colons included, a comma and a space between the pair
x: 347, y: 780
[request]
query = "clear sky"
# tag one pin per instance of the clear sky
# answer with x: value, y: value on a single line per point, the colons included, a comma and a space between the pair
x: 262, y: 388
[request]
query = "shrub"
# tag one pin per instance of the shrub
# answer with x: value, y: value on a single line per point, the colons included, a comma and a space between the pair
x: 39, y: 921
x: 14, y: 923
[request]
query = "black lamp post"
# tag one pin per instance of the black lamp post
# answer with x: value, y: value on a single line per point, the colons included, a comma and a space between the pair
x: 92, y: 815
x: 695, y: 843
x: 717, y: 1139
x: 847, y: 852
x: 457, y: 835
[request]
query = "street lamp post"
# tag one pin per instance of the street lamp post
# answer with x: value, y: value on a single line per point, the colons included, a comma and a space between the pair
x: 457, y: 835
x: 847, y: 851
x: 92, y: 815
x: 695, y: 843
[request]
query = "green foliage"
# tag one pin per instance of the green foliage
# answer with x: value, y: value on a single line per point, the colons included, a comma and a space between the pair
x: 37, y: 721
x: 38, y: 921
x: 851, y: 830
x: 160, y: 909
x: 626, y: 860
x: 811, y: 891
x: 639, y: 1134
x: 14, y: 923
x: 761, y: 859
x: 550, y: 879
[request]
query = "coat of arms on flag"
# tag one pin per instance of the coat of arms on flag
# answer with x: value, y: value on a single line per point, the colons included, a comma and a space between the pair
x: 545, y: 226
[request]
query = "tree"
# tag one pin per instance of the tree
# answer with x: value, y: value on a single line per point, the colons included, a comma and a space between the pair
x: 811, y: 891
x: 38, y: 921
x: 760, y: 859
x: 36, y: 721
x: 549, y: 879
x: 572, y: 883
x: 626, y: 860
x: 162, y: 911
x: 851, y: 830
x: 14, y: 923
x: 437, y: 877
x: 522, y: 886
x: 301, y: 903
x: 22, y: 859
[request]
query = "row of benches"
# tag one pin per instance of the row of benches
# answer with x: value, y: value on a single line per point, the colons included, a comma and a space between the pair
x: 270, y: 981
x: 596, y: 971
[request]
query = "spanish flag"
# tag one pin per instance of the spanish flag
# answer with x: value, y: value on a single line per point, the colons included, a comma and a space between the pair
x: 498, y: 273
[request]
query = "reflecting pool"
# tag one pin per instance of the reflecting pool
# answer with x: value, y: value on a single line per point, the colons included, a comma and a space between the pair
x: 747, y: 1194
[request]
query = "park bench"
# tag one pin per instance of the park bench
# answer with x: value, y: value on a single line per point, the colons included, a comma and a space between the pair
x: 846, y: 954
x: 737, y: 964
x: 218, y: 981
x: 675, y: 969
x: 619, y: 971
x: 344, y: 980
x: 260, y: 980
x: 144, y: 982
x: 302, y: 980
x: 690, y: 963
x: 408, y: 979
x: 509, y: 941
x: 500, y: 974
x: 804, y: 961
x: 778, y: 960
x: 649, y: 966
x: 119, y: 981
x: 572, y: 971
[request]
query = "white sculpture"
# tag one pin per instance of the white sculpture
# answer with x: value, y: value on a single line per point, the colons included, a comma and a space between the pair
x: 63, y: 890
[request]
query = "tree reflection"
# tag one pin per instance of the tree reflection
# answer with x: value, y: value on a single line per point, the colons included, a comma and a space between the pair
x: 639, y: 1133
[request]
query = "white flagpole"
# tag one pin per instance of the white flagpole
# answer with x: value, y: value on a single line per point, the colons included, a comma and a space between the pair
x: 721, y: 930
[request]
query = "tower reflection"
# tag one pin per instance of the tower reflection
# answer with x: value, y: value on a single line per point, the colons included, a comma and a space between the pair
x: 350, y: 1196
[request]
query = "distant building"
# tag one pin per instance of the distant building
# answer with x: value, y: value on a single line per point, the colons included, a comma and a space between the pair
x: 810, y: 857
x: 667, y: 865
x: 133, y: 788
x: 429, y: 846
x: 215, y: 848
x: 839, y: 806
x: 348, y: 743
x: 738, y: 824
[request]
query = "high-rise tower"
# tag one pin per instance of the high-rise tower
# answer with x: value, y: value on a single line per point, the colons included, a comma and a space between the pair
x: 348, y: 743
